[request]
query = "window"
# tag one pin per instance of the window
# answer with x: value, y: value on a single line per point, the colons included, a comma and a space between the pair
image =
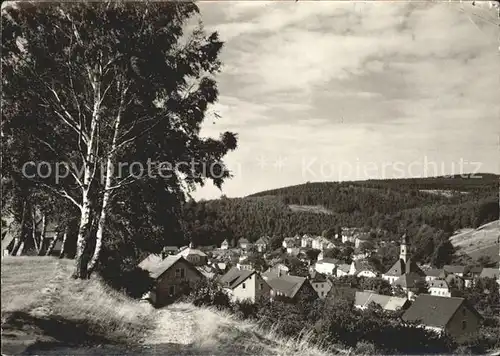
x: 322, y: 294
x: 464, y: 324
x: 180, y: 273
x: 243, y: 286
x: 261, y: 286
x: 322, y: 285
x: 463, y: 312
x: 171, y: 290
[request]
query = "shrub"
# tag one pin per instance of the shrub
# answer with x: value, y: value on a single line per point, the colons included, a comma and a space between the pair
x: 365, y: 348
x: 208, y: 293
x: 245, y: 309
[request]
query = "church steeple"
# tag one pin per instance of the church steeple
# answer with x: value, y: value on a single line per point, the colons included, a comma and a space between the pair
x: 404, y: 249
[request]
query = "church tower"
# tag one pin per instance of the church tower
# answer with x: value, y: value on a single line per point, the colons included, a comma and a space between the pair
x: 404, y: 249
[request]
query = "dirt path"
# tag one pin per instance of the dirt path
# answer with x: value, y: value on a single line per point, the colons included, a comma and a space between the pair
x: 175, y: 332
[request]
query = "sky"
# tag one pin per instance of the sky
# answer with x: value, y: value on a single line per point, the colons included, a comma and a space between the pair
x: 336, y: 91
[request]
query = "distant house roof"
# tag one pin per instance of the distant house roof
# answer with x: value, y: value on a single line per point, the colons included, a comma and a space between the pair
x: 243, y: 241
x: 396, y: 303
x: 287, y: 285
x: 455, y: 269
x: 332, y: 261
x: 438, y: 283
x: 400, y: 267
x: 281, y: 266
x: 264, y: 240
x: 434, y: 311
x: 170, y: 248
x: 317, y: 277
x: 363, y: 265
x: 191, y: 251
x: 234, y: 277
x: 408, y: 280
x: 290, y: 240
x: 435, y: 272
x: 156, y: 270
x: 344, y: 267
x: 489, y: 273
x: 363, y: 299
x: 363, y: 237
x: 476, y: 270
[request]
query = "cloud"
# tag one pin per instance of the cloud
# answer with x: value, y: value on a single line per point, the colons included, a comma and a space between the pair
x: 354, y: 82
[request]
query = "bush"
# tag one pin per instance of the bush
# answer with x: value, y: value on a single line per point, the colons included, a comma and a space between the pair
x: 365, y: 348
x: 208, y: 293
x: 245, y: 309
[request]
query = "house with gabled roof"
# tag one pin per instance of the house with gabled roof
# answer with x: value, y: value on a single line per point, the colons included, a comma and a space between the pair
x: 362, y: 300
x: 435, y: 273
x: 343, y: 270
x: 243, y: 243
x: 262, y: 243
x: 321, y: 284
x: 456, y: 270
x: 362, y: 268
x: 441, y: 287
x: 194, y: 255
x: 360, y: 239
x: 289, y: 242
x: 172, y: 277
x: 326, y: 266
x: 452, y: 315
x: 225, y: 245
x: 490, y: 273
x: 277, y: 270
x: 244, y: 284
x: 289, y: 287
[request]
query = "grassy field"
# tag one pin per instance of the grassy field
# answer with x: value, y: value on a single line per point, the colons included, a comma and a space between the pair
x: 482, y: 241
x: 44, y: 311
x: 316, y: 209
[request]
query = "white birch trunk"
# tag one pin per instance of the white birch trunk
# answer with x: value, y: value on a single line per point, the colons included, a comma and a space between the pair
x: 63, y: 245
x: 42, y: 234
x: 36, y: 241
x: 50, y: 248
x: 83, y: 231
x: 107, y: 187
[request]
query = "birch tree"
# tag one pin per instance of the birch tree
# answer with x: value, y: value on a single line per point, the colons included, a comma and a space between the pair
x: 93, y: 85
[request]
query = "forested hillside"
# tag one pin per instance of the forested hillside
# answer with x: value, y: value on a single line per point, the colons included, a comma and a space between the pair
x: 394, y: 206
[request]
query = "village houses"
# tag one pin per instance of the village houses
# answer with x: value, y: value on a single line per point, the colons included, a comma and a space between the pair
x: 193, y: 255
x: 343, y: 269
x: 244, y: 284
x: 321, y: 284
x: 262, y: 243
x: 289, y: 287
x: 224, y: 245
x: 362, y: 300
x: 444, y: 314
x: 326, y: 266
x: 243, y: 243
x: 440, y: 287
x: 172, y: 276
x: 277, y: 270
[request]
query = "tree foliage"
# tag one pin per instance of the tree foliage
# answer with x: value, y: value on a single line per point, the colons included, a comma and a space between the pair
x: 95, y: 88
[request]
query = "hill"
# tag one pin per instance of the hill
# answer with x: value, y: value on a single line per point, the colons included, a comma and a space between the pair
x: 394, y: 206
x: 46, y: 312
x: 476, y: 243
